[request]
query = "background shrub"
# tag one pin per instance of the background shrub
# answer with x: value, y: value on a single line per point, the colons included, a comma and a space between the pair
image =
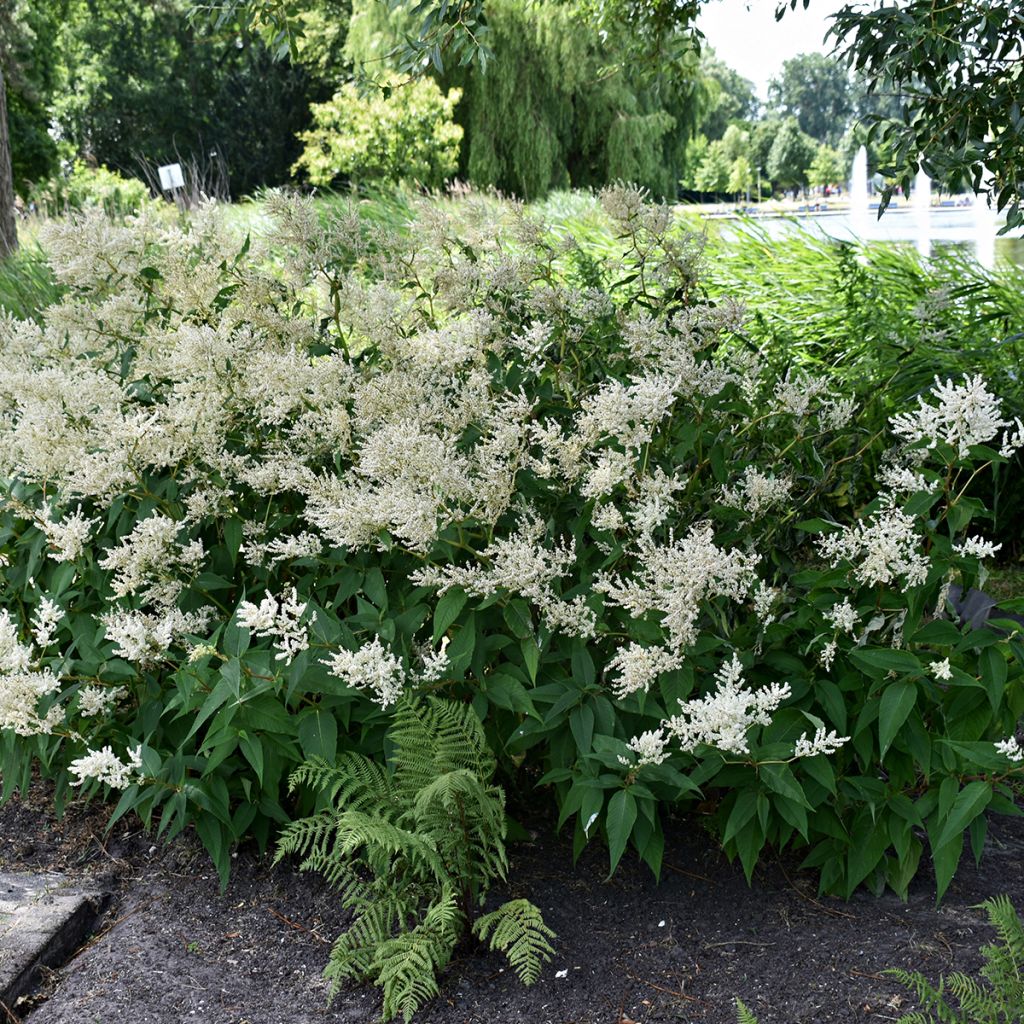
x: 405, y: 133
x: 84, y: 186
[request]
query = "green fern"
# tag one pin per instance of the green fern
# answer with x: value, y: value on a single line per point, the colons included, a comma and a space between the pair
x: 999, y: 1000
x: 743, y: 1014
x: 518, y: 930
x: 413, y: 849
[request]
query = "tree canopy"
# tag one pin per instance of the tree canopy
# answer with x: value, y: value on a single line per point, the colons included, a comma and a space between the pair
x: 814, y: 89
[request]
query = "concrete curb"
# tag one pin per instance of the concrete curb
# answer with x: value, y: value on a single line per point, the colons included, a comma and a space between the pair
x: 43, y: 919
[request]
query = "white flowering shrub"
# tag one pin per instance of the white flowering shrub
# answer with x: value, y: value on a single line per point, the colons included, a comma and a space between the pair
x: 256, y: 493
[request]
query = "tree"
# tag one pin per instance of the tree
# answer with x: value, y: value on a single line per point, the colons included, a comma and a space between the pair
x: 814, y: 89
x: 791, y: 154
x: 827, y: 167
x: 141, y: 80
x: 731, y: 97
x: 541, y: 114
x: 736, y: 143
x: 741, y: 177
x: 713, y: 173
x: 762, y: 138
x: 8, y: 226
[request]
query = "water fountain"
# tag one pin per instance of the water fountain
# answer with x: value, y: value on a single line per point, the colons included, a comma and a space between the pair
x: 921, y: 203
x: 859, y: 213
x: 984, y: 231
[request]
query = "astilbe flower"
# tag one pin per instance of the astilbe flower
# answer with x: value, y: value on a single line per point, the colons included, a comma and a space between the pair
x: 882, y: 548
x: 757, y: 492
x: 373, y: 668
x: 68, y: 537
x: 965, y: 414
x: 649, y: 747
x: 673, y: 579
x: 637, y: 668
x: 106, y: 767
x: 1011, y: 749
x: 976, y: 547
x: 281, y: 620
x: 723, y: 718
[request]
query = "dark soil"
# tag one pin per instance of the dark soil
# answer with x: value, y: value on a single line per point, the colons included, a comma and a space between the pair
x: 172, y: 949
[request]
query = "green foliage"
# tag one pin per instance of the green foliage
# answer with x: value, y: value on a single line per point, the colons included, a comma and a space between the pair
x: 140, y: 81
x: 956, y: 70
x: 29, y: 30
x: 522, y: 461
x: 743, y: 1014
x: 27, y: 285
x: 864, y: 314
x: 544, y: 113
x: 731, y: 97
x: 414, y: 849
x: 84, y: 186
x: 791, y: 154
x: 714, y: 170
x: 827, y: 167
x: 997, y: 999
x: 815, y: 89
x: 404, y: 134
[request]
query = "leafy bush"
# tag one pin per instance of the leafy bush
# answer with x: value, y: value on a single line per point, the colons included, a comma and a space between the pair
x: 255, y: 495
x: 414, y: 848
x: 84, y: 186
x: 405, y: 133
x: 999, y: 999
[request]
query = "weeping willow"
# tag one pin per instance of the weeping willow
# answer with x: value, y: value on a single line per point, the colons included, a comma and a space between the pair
x: 549, y: 110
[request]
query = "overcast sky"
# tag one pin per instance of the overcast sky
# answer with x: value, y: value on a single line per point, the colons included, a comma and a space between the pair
x: 745, y: 34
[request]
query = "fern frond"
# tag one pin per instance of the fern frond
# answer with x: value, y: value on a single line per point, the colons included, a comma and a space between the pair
x: 931, y: 998
x: 354, y: 782
x: 517, y: 928
x: 743, y: 1015
x: 407, y: 967
x: 434, y: 736
x: 1009, y: 927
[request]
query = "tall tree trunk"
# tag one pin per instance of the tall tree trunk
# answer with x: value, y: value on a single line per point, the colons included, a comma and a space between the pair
x: 8, y: 225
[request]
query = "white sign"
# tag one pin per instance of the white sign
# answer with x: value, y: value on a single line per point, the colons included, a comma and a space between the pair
x: 171, y: 177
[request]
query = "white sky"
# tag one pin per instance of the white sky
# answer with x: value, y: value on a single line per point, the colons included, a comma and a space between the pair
x: 745, y: 34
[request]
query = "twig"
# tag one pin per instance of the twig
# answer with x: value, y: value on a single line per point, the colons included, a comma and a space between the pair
x: 298, y: 927
x: 690, y: 874
x: 816, y: 903
x: 736, y: 942
x: 865, y: 974
x: 668, y: 991
x: 93, y: 939
x: 12, y: 1017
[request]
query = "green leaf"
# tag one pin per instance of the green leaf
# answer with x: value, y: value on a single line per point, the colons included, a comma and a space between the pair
x: 318, y: 735
x: 518, y: 619
x: 505, y: 691
x: 780, y: 779
x: 252, y: 748
x: 581, y: 723
x: 619, y: 824
x: 897, y: 702
x: 447, y: 611
x: 969, y: 803
x: 876, y: 661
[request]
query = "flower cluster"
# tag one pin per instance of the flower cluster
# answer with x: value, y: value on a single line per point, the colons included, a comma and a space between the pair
x: 281, y: 620
x: 723, y: 718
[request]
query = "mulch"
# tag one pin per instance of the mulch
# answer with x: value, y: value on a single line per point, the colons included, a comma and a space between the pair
x: 172, y: 948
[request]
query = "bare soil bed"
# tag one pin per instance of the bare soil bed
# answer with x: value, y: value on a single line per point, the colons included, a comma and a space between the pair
x: 171, y: 948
